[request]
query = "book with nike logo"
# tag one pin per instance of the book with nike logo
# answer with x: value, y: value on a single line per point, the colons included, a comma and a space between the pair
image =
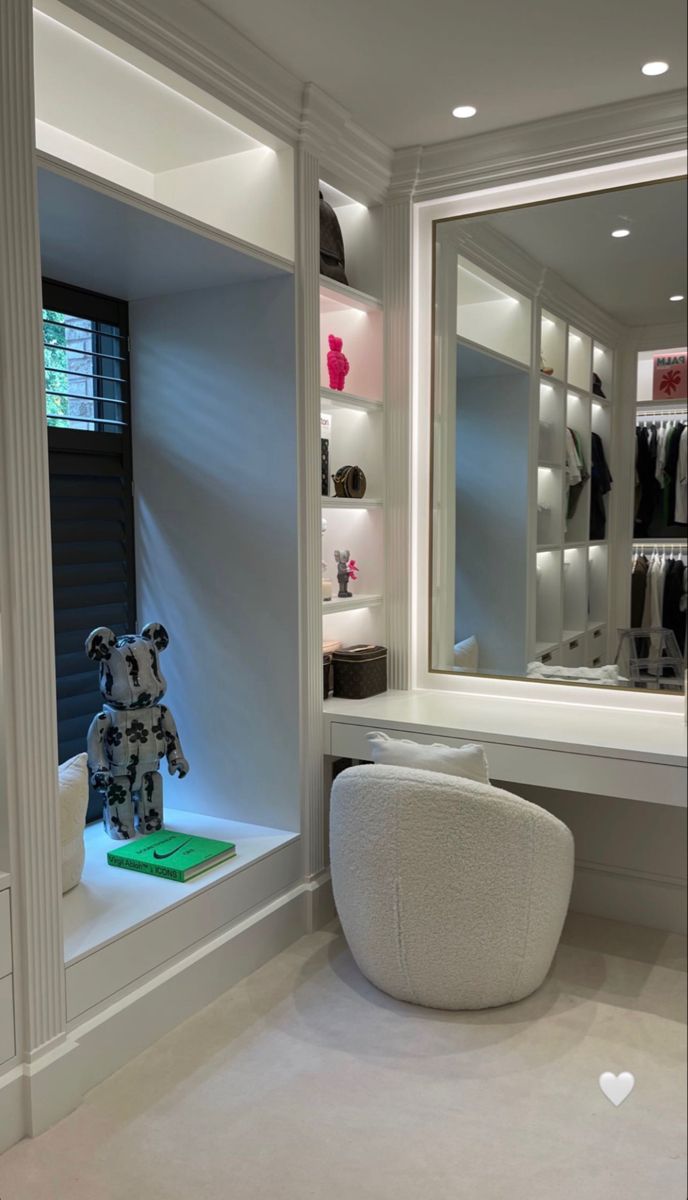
x: 178, y: 856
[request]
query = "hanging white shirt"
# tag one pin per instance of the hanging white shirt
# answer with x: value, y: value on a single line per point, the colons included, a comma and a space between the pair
x: 573, y: 469
x: 655, y: 585
x: 661, y: 454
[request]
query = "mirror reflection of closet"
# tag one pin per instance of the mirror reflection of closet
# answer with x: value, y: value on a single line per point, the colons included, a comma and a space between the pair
x: 558, y: 534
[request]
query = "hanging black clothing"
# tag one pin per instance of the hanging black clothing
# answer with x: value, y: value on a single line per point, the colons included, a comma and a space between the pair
x: 674, y: 590
x: 670, y: 469
x: 638, y: 586
x: 600, y: 484
x: 649, y: 491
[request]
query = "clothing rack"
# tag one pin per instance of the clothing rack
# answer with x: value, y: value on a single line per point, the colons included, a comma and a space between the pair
x: 663, y: 546
x: 647, y: 413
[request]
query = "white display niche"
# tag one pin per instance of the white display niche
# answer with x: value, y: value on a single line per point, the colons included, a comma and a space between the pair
x: 203, y: 393
x: 110, y: 110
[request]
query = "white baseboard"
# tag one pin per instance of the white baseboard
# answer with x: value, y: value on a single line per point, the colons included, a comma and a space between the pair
x: 12, y: 1116
x: 655, y: 901
x: 320, y: 909
x: 35, y: 1096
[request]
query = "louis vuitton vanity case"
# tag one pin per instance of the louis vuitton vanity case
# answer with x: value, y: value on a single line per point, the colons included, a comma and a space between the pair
x: 360, y: 671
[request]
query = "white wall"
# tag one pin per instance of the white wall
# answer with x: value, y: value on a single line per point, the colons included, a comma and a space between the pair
x: 214, y: 427
x: 630, y: 857
x: 492, y: 434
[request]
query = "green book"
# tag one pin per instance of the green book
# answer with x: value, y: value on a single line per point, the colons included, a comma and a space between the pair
x: 178, y: 856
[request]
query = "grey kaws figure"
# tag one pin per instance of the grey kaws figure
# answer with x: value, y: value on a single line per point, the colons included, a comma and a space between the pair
x: 134, y: 731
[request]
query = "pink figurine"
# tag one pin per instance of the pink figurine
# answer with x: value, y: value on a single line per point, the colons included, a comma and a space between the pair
x: 337, y: 364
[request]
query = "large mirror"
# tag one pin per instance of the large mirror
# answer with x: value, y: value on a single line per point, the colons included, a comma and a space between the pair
x: 559, y: 427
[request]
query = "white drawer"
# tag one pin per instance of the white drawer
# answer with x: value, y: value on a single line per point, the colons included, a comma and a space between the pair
x: 5, y: 934
x: 573, y: 652
x: 593, y: 774
x: 597, y: 651
x: 6, y: 1019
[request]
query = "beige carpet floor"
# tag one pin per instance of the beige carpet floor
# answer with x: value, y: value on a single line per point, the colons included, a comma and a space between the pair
x: 304, y: 1081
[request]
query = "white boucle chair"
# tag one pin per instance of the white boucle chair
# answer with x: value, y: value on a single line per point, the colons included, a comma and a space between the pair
x: 451, y: 894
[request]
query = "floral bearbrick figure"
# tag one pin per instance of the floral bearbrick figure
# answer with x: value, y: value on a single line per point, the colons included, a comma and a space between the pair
x: 337, y: 364
x: 127, y: 740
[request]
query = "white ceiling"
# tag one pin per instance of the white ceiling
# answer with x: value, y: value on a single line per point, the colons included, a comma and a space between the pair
x: 630, y: 278
x: 400, y: 66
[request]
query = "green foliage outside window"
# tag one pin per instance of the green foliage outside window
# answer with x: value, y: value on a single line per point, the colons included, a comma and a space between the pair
x: 55, y: 361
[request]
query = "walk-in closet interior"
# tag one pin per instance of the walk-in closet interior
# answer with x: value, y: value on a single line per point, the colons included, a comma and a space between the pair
x: 344, y: 446
x: 559, y: 449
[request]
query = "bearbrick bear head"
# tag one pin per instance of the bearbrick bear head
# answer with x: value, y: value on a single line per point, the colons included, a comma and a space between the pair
x: 335, y: 342
x: 130, y: 675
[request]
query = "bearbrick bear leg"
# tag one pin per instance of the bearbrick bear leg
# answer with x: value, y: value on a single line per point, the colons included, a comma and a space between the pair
x: 118, y: 811
x: 150, y: 803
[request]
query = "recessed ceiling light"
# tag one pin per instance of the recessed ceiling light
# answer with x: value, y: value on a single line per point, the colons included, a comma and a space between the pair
x: 618, y: 233
x: 463, y: 111
x: 655, y: 68
x: 675, y: 298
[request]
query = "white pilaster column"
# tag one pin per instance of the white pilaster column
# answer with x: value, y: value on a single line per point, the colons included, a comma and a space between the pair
x: 310, y: 551
x: 397, y: 349
x: 25, y: 563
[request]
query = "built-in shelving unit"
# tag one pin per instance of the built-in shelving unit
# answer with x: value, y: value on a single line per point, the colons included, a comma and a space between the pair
x: 352, y: 421
x: 572, y: 569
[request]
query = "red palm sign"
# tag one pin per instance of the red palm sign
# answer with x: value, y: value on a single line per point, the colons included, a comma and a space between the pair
x: 669, y: 383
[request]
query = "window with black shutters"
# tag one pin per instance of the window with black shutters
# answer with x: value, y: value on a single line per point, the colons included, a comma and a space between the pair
x: 86, y: 353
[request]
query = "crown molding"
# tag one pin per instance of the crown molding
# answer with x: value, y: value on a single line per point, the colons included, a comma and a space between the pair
x: 353, y: 160
x: 570, y: 142
x: 187, y: 37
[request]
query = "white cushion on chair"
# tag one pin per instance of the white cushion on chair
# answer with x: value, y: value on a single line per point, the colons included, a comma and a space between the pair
x: 467, y: 761
x: 451, y: 893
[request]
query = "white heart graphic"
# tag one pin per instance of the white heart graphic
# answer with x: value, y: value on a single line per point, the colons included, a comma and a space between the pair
x: 617, y: 1087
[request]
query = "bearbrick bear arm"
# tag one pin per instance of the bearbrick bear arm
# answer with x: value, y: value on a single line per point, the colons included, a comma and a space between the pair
x: 173, y: 750
x: 98, y: 762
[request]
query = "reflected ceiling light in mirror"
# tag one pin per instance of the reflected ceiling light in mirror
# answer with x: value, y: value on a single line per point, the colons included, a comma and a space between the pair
x: 621, y: 232
x: 675, y: 299
x: 463, y: 111
x: 655, y: 68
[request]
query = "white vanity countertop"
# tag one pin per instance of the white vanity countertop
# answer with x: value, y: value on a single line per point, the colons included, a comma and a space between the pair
x: 577, y: 729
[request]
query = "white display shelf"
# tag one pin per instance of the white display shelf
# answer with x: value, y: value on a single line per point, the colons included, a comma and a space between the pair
x: 336, y: 605
x: 570, y: 635
x: 545, y: 546
x: 333, y: 399
x: 497, y: 356
x: 555, y: 381
x: 343, y: 295
x: 584, y: 393
x: 110, y: 901
x: 545, y: 648
x: 344, y: 502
